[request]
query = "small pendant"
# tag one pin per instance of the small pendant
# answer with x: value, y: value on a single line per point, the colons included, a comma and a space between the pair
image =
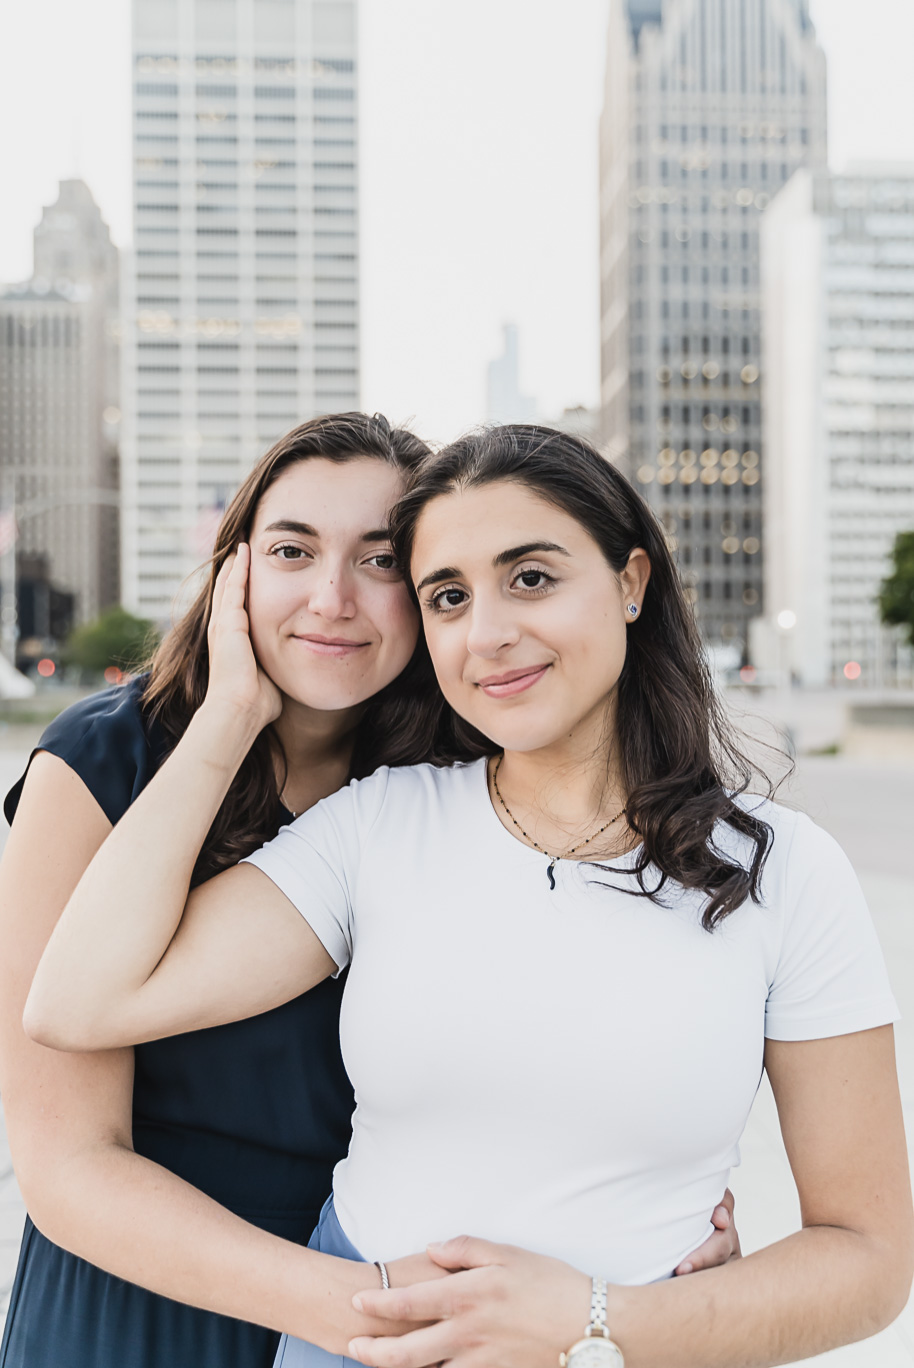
x: 549, y: 874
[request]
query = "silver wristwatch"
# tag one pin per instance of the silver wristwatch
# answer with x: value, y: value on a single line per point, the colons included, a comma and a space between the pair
x: 596, y: 1349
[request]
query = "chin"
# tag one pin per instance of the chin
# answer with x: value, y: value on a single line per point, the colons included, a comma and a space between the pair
x: 512, y: 734
x: 330, y: 700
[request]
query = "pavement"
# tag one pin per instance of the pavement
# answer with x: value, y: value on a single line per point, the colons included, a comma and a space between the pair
x: 869, y: 808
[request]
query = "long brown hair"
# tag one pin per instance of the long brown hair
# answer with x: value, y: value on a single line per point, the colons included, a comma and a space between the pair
x: 393, y: 729
x: 681, y: 764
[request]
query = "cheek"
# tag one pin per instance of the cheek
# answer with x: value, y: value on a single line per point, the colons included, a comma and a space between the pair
x: 395, y: 616
x: 266, y: 604
x: 602, y: 643
x: 446, y: 646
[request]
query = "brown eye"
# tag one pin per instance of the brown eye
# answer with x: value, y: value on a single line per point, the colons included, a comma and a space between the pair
x: 533, y: 580
x: 447, y: 599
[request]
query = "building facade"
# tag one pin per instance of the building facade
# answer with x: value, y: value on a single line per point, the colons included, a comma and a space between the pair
x: 241, y: 303
x: 710, y: 107
x: 838, y: 290
x: 58, y: 424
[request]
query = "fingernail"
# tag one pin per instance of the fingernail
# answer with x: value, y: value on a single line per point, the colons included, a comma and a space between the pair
x: 684, y: 1268
x: 357, y: 1303
x: 722, y: 1214
x: 435, y: 1244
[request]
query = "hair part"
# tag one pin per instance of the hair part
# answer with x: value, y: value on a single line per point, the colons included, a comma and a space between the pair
x: 680, y: 761
x: 179, y: 669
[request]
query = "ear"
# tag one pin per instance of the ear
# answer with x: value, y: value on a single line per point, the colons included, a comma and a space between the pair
x: 633, y: 580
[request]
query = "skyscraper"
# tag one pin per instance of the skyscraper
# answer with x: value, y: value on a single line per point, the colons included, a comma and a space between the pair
x: 241, y: 308
x: 505, y: 403
x: 58, y: 412
x: 838, y: 289
x: 710, y: 106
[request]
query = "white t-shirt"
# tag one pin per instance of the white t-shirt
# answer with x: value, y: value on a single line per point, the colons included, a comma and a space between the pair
x: 568, y: 1071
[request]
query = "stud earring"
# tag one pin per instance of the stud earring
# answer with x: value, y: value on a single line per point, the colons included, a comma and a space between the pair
x: 633, y: 609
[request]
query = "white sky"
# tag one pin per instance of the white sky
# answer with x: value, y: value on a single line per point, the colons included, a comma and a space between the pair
x: 479, y: 156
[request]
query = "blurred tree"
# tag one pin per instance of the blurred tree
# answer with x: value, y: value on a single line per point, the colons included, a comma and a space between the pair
x: 116, y: 637
x: 896, y: 597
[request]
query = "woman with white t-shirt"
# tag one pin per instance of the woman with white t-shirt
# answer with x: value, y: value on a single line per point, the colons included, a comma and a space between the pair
x: 571, y: 956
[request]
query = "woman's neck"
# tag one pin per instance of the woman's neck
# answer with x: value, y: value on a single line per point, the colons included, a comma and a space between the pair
x: 562, y: 792
x: 318, y: 749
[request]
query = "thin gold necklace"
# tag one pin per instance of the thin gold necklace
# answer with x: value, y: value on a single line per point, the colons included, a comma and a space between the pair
x: 553, y: 859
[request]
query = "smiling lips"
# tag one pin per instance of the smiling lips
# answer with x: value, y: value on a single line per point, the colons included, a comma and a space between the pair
x: 330, y: 646
x: 512, y: 682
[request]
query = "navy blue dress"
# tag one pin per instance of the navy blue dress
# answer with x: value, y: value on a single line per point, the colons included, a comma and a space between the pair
x: 255, y: 1114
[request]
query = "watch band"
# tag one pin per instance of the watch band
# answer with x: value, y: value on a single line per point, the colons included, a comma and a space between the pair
x: 598, y: 1324
x: 597, y: 1349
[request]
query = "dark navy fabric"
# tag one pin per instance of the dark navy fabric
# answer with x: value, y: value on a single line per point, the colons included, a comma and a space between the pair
x: 255, y: 1114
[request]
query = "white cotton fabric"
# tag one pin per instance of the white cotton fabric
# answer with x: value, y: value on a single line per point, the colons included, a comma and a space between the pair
x: 568, y: 1071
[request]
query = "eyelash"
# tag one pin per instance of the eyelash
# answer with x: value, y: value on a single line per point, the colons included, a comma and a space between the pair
x: 433, y: 602
x: 288, y: 546
x: 304, y: 555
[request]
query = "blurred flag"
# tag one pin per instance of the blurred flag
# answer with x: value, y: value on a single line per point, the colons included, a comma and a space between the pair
x: 8, y: 530
x: 203, y: 534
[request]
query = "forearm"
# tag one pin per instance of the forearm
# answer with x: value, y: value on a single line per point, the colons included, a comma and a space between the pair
x: 126, y: 908
x: 138, y: 1221
x: 820, y: 1288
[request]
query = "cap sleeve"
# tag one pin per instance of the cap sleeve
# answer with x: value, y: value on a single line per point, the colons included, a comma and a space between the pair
x: 105, y: 741
x: 830, y: 978
x: 316, y: 861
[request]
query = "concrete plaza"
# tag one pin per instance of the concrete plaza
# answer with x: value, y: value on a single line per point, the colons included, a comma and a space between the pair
x: 869, y: 808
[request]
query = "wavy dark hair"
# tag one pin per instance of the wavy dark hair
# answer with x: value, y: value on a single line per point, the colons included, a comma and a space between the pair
x: 681, y: 763
x: 397, y: 721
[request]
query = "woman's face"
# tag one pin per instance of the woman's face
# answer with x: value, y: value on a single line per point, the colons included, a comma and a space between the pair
x: 331, y: 619
x: 525, y: 619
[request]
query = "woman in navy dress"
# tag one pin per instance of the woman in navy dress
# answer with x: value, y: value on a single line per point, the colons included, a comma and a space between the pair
x: 206, y: 1147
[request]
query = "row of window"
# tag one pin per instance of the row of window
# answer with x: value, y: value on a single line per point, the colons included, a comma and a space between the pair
x: 148, y: 392
x: 288, y: 66
x: 698, y: 308
x: 207, y: 90
x: 145, y: 230
x: 738, y: 171
x: 723, y: 133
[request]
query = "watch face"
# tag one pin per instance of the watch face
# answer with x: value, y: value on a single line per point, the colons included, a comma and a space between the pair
x: 595, y: 1352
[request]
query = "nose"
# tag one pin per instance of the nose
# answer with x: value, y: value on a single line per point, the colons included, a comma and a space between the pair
x: 331, y: 593
x: 492, y: 627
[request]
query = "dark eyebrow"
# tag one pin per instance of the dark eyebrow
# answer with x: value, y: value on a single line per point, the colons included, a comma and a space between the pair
x: 448, y: 572
x: 306, y: 530
x: 513, y: 553
x: 288, y: 525
x: 528, y: 549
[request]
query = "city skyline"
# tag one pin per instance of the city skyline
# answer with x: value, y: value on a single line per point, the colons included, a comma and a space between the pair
x: 444, y: 269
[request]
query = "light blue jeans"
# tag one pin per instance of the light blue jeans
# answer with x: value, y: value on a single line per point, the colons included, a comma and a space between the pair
x: 328, y: 1238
